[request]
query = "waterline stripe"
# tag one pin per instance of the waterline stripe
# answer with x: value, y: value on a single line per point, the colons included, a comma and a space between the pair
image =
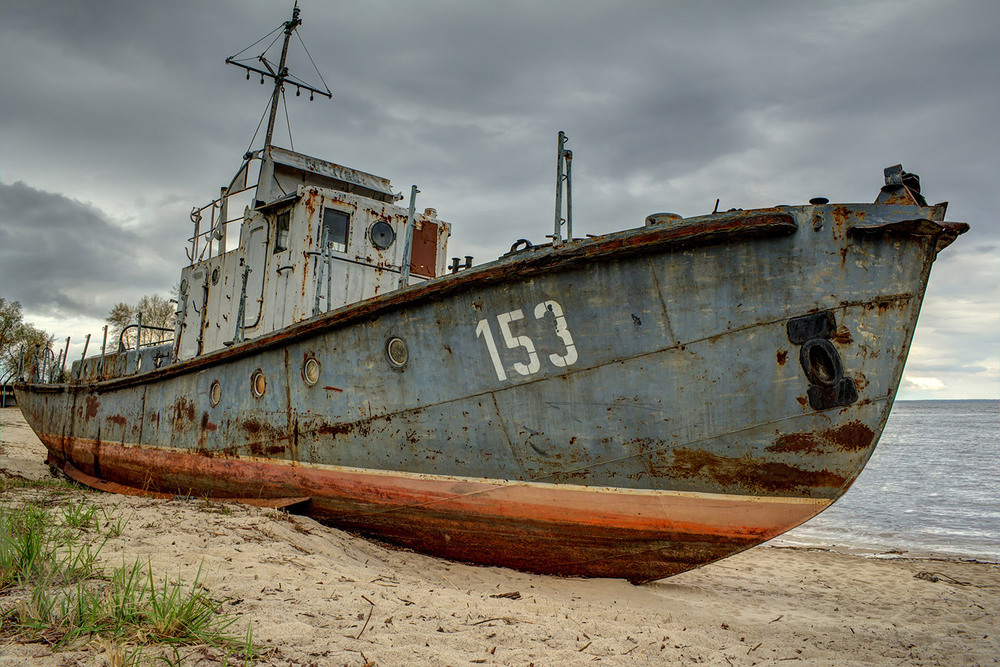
x: 487, y: 481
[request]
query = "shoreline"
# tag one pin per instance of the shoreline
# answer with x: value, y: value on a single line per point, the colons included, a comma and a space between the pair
x: 874, y: 554
x: 317, y: 595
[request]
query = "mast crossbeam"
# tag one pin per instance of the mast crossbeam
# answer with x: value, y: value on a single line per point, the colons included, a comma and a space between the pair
x: 279, y: 75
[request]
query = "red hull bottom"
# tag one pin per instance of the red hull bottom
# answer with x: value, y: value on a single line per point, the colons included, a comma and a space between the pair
x: 639, y: 535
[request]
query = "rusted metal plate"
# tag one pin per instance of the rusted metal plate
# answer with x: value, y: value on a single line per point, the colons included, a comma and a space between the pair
x: 110, y: 487
x: 312, y: 165
x: 113, y: 487
x: 565, y: 529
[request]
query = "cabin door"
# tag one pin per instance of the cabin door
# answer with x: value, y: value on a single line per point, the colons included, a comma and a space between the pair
x: 423, y: 252
x: 282, y: 284
x: 280, y: 279
x: 194, y: 301
x: 256, y: 259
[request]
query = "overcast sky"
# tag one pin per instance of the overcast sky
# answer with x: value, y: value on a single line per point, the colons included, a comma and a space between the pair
x: 117, y: 117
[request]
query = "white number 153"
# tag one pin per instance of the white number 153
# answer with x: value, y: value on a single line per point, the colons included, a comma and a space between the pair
x: 513, y: 342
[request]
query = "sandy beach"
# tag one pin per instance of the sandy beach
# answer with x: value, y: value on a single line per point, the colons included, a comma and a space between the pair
x: 318, y: 596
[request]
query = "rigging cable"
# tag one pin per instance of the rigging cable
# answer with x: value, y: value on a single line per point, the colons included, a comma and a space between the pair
x: 259, y: 123
x: 233, y: 57
x: 312, y: 61
x: 261, y: 56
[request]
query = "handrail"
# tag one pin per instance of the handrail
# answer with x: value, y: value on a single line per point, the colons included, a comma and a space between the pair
x: 215, y: 231
x: 217, y: 227
x: 140, y: 344
x: 41, y: 365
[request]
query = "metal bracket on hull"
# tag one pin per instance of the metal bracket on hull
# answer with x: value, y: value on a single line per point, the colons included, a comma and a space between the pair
x: 828, y: 388
x: 946, y: 232
x: 78, y: 475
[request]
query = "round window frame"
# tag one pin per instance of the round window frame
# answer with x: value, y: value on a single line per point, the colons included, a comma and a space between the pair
x: 215, y: 393
x: 254, y: 377
x: 371, y: 235
x: 305, y: 373
x: 394, y: 362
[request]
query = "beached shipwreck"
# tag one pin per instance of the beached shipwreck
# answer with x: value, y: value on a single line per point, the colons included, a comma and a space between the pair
x: 627, y: 405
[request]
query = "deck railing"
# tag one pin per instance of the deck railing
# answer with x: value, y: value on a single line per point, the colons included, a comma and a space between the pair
x: 212, y: 241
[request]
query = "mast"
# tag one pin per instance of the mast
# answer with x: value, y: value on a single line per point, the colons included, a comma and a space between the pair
x: 279, y: 77
x: 278, y: 73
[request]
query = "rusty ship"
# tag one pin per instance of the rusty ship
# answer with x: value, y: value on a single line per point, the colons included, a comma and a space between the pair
x: 630, y: 405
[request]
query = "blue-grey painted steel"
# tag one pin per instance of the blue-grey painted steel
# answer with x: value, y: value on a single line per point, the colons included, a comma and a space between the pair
x: 661, y: 371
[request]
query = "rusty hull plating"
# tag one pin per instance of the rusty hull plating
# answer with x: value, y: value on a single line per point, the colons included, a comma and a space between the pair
x: 632, y: 405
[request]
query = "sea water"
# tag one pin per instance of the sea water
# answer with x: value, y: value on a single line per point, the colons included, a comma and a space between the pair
x: 932, y: 487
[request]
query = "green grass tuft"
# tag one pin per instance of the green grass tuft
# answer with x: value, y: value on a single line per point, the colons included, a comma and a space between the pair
x: 114, y: 526
x: 63, y: 597
x: 33, y: 549
x: 78, y: 515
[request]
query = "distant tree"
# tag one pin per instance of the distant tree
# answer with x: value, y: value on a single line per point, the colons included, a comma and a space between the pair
x: 10, y: 323
x: 156, y: 312
x: 121, y: 316
x: 16, y: 334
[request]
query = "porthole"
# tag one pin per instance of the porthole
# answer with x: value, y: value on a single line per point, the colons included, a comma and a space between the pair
x: 396, y: 352
x: 215, y: 393
x: 215, y: 276
x: 258, y: 383
x: 382, y: 235
x: 310, y: 371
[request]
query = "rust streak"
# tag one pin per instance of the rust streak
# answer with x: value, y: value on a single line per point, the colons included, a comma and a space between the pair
x: 207, y: 425
x: 798, y: 443
x: 842, y: 336
x: 748, y: 473
x: 852, y: 436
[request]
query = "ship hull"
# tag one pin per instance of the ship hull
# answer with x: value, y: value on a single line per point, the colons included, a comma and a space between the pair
x: 631, y: 406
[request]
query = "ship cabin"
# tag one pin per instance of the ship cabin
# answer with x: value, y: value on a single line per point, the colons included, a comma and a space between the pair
x: 316, y: 236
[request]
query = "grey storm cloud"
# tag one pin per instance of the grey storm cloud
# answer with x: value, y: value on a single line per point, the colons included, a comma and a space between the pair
x: 59, y: 256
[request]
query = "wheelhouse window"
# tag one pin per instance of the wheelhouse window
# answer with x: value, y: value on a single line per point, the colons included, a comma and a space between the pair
x: 336, y: 224
x: 281, y: 231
